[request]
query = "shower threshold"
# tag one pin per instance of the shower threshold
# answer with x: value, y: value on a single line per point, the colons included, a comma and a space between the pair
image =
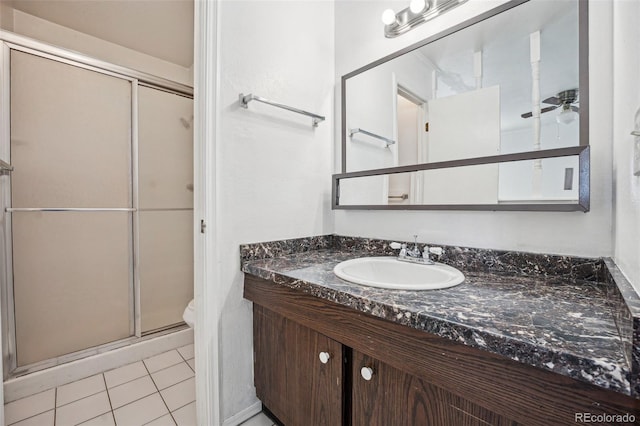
x: 96, y: 350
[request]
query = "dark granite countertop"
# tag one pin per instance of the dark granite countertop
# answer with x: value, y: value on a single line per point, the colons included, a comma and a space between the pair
x: 555, y: 322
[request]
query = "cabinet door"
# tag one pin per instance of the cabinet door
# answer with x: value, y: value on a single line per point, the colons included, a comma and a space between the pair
x: 291, y: 380
x: 392, y: 397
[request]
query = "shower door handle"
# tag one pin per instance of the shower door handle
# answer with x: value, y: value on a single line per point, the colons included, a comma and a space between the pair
x: 5, y: 167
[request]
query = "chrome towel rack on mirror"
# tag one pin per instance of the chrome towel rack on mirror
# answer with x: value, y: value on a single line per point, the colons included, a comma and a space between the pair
x: 401, y: 196
x: 373, y: 135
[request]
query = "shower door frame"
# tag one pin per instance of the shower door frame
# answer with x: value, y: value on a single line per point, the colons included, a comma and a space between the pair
x: 8, y: 42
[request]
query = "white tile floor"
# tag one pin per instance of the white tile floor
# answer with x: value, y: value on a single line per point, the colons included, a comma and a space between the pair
x: 158, y: 391
x: 259, y: 420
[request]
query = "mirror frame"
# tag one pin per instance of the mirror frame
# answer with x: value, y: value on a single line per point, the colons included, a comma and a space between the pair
x: 582, y: 150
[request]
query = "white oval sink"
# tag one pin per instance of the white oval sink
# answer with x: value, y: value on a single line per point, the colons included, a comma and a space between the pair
x: 389, y: 272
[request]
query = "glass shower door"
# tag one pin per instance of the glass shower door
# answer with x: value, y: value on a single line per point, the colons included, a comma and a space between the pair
x: 165, y: 216
x: 71, y: 207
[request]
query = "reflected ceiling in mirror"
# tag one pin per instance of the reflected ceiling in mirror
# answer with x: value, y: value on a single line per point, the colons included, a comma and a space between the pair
x: 502, y: 84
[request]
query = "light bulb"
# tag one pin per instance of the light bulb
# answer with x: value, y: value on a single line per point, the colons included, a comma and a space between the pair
x: 567, y: 115
x: 417, y: 6
x: 388, y: 17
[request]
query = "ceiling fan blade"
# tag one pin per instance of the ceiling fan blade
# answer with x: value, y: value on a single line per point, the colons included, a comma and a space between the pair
x: 575, y: 108
x: 552, y: 101
x: 542, y: 111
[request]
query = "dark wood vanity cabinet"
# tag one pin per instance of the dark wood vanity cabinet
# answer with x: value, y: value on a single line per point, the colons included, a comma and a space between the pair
x: 297, y: 387
x: 416, y: 378
x: 291, y: 380
x: 393, y: 397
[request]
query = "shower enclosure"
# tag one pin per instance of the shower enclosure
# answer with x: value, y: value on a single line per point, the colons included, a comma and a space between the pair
x: 96, y: 231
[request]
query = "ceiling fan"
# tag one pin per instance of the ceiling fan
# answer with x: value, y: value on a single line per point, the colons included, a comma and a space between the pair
x: 564, y: 99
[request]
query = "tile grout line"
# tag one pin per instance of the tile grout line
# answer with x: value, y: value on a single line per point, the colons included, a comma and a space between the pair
x: 55, y: 399
x: 164, y: 368
x: 79, y: 399
x: 170, y: 350
x: 113, y: 416
x: 127, y: 382
x: 176, y: 383
x: 138, y: 399
x: 180, y: 353
x: 145, y: 396
x: 188, y: 403
x: 30, y: 417
x: 157, y: 419
x: 160, y: 395
x: 147, y: 374
x: 194, y: 364
x: 99, y: 415
x: 181, y: 356
x: 182, y: 362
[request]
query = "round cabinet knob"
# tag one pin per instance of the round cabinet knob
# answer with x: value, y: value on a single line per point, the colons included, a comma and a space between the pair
x: 366, y: 373
x: 324, y: 357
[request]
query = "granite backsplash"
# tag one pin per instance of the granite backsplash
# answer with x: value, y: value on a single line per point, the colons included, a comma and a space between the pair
x: 473, y: 259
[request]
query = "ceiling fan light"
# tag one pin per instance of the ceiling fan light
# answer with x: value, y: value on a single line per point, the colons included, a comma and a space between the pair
x: 567, y: 115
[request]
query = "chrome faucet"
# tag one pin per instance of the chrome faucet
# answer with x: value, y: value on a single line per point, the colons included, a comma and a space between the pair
x: 415, y: 252
x: 414, y: 255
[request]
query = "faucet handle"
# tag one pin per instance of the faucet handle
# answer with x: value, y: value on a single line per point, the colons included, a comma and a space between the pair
x: 438, y: 251
x: 425, y: 252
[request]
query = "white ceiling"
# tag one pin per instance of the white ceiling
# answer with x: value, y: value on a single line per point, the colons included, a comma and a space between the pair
x: 504, y: 42
x: 160, y: 28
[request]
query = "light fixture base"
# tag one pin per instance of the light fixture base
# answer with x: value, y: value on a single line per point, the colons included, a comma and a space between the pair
x: 406, y: 19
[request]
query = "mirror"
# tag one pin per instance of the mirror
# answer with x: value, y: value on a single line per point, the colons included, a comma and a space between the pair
x: 480, y: 186
x: 511, y: 81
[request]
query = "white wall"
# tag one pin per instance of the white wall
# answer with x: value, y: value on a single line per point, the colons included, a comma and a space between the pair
x: 360, y: 40
x: 374, y: 110
x: 626, y: 94
x: 273, y: 167
x: 371, y: 106
x: 57, y: 35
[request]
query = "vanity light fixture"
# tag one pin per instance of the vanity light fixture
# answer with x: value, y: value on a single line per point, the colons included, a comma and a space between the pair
x: 418, y: 12
x: 417, y: 6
